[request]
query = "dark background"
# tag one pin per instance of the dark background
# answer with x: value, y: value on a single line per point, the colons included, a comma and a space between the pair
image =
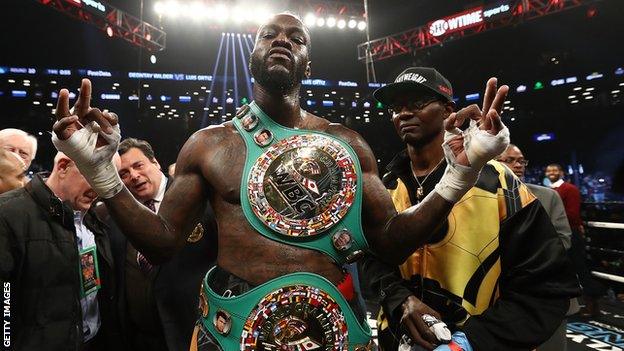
x: 34, y: 35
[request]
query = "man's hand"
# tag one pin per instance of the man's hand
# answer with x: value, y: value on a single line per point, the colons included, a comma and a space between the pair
x: 413, y: 310
x: 487, y: 136
x: 90, y: 138
x: 466, y: 152
x: 68, y: 121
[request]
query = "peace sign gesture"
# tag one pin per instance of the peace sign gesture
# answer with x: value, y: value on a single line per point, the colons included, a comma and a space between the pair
x: 89, y: 137
x: 71, y: 120
x: 487, y: 132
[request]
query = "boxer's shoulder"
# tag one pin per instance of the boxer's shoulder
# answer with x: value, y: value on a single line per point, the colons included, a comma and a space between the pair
x: 350, y: 136
x: 215, y: 135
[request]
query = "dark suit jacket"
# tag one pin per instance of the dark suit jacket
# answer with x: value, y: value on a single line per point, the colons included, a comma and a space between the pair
x: 176, y: 284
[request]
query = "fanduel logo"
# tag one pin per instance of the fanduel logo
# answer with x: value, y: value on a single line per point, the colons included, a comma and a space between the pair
x: 414, y: 77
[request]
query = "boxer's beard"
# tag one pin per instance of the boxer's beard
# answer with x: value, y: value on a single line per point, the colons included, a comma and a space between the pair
x: 282, y: 81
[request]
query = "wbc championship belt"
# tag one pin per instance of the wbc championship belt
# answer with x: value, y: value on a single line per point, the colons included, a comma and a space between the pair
x: 302, y: 188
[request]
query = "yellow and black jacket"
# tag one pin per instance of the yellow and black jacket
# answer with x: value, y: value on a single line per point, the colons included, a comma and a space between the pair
x: 495, y: 269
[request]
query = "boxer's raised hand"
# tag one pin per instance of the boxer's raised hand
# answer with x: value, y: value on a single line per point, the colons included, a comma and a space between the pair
x: 89, y: 137
x: 466, y: 152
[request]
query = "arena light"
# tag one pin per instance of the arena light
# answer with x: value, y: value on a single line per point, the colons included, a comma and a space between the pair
x: 171, y: 9
x: 159, y: 8
x: 197, y: 11
x: 331, y: 22
x: 320, y: 22
x: 352, y: 23
x: 262, y: 15
x: 109, y: 31
x: 594, y: 75
x: 571, y: 80
x: 239, y: 15
x: 153, y: 59
x: 221, y: 13
x: 472, y: 97
x: 341, y: 24
x: 310, y: 20
x: 361, y: 25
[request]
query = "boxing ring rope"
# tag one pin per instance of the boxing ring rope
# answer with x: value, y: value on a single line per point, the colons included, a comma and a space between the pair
x: 607, y: 225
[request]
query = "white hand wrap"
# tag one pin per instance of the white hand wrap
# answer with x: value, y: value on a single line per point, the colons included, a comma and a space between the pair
x: 480, y: 147
x: 95, y: 164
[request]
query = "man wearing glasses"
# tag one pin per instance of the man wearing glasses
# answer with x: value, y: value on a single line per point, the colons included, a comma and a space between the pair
x: 514, y: 159
x: 495, y: 270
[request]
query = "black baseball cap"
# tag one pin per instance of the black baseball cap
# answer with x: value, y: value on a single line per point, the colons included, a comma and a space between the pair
x: 414, y: 79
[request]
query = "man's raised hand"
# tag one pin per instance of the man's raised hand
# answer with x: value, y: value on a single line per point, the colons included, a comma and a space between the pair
x: 89, y: 137
x: 466, y: 152
x: 71, y: 120
x: 486, y: 137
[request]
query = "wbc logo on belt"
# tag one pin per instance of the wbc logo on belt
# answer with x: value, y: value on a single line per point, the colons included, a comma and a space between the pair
x: 302, y: 185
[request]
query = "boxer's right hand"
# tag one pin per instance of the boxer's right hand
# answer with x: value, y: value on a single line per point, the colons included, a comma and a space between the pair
x: 89, y: 137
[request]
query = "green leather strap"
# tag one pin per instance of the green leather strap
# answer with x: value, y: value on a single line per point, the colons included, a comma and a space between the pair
x: 240, y: 307
x: 321, y: 242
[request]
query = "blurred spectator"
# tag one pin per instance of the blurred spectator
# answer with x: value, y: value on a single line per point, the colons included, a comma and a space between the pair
x: 55, y: 254
x: 20, y: 142
x: 571, y: 196
x: 569, y: 193
x: 12, y: 171
x: 160, y: 307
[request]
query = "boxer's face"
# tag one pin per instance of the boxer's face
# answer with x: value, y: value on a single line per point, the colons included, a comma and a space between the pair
x: 418, y: 117
x: 280, y: 59
x: 221, y: 324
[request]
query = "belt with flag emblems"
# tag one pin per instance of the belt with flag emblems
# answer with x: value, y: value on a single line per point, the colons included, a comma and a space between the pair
x: 302, y: 188
x: 298, y: 311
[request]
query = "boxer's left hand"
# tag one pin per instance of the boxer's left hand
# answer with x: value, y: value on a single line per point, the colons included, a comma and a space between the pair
x: 487, y: 136
x: 466, y: 152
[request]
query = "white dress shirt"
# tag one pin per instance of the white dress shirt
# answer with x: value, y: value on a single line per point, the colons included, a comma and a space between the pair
x: 161, y: 192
